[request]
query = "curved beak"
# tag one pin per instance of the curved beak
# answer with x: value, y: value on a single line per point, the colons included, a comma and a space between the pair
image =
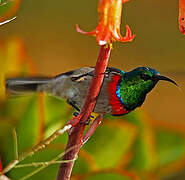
x: 164, y: 78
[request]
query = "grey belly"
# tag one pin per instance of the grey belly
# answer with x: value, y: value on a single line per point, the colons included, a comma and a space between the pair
x: 102, y: 103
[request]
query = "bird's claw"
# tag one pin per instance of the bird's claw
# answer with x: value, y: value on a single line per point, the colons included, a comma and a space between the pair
x: 86, y: 122
x: 89, y: 120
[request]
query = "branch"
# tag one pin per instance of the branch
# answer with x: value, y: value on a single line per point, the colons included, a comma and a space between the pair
x: 36, y: 148
x: 0, y: 164
x: 7, y: 21
x: 76, y: 136
x: 3, y: 177
x: 45, y: 164
x: 91, y: 130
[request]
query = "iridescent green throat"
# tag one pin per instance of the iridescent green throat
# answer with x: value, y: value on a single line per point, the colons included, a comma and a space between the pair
x: 133, y: 90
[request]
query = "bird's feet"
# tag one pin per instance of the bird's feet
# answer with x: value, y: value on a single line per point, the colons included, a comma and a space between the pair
x: 86, y: 122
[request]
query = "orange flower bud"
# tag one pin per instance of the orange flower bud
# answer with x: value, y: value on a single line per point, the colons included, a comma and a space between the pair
x: 108, y: 29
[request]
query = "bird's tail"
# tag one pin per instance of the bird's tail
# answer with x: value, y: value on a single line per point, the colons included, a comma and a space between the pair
x: 25, y: 85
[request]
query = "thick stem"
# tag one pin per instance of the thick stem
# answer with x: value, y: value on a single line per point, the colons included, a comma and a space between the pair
x: 75, y: 138
x: 93, y: 127
x: 0, y: 165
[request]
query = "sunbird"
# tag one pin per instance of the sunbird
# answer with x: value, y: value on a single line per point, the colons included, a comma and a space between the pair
x: 121, y: 92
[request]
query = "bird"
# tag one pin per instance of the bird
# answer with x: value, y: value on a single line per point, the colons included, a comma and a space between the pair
x: 121, y: 91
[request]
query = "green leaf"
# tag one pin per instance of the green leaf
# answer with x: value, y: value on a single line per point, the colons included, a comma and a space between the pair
x: 145, y: 156
x: 170, y: 146
x: 107, y: 176
x: 42, y: 156
x: 110, y: 142
x: 57, y: 113
x: 81, y: 166
x: 28, y: 125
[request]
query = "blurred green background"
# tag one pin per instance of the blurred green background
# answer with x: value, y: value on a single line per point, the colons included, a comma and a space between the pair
x: 150, y: 142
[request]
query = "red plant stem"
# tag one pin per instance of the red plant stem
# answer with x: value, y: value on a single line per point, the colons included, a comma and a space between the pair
x: 76, y: 136
x: 92, y: 128
x: 0, y: 165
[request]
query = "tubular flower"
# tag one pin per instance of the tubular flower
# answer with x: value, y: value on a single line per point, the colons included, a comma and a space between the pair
x: 182, y: 16
x: 108, y: 29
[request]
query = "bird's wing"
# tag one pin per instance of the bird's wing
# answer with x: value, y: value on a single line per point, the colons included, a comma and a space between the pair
x: 77, y: 73
x: 114, y: 70
x: 81, y: 73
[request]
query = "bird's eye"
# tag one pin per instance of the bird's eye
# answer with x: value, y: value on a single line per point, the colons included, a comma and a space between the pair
x: 182, y: 19
x: 145, y: 77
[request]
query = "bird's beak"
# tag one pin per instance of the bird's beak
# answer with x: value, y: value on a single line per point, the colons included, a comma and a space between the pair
x: 164, y: 78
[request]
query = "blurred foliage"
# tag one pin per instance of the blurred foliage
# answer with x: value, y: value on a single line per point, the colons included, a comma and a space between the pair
x: 8, y: 8
x: 129, y: 147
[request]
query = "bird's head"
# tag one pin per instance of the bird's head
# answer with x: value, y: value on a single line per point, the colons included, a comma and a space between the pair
x: 145, y: 78
x: 137, y: 83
